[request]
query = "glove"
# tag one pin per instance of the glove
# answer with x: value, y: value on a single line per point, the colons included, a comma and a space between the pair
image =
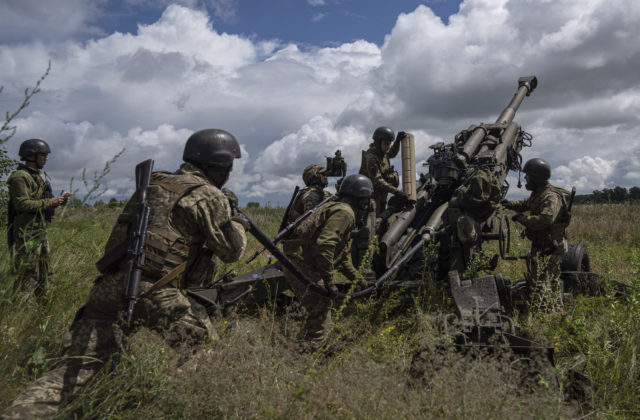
x: 400, y: 136
x: 233, y: 199
x: 239, y: 219
x: 401, y: 195
x: 517, y: 217
x: 506, y: 204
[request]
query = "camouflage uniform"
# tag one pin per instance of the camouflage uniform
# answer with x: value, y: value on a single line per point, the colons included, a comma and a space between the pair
x: 316, y: 247
x: 472, y: 204
x: 376, y: 166
x: 190, y: 221
x: 307, y: 199
x: 30, y: 199
x: 547, y: 220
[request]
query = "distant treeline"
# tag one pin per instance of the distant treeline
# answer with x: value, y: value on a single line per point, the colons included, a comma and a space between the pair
x: 609, y: 195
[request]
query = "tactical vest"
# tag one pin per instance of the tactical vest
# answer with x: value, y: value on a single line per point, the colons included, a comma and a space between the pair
x: 384, y: 166
x: 309, y: 229
x: 165, y: 247
x: 297, y: 209
x: 557, y: 231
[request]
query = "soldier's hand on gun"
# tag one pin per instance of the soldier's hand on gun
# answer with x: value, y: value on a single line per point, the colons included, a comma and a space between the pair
x: 506, y: 204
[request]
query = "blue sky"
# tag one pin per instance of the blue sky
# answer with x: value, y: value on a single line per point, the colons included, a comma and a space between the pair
x: 304, y: 22
x: 297, y: 80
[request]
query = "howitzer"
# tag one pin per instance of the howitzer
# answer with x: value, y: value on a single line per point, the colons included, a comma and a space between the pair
x: 490, y: 147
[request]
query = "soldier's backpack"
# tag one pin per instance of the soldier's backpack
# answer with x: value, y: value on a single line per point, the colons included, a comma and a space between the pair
x: 480, y: 194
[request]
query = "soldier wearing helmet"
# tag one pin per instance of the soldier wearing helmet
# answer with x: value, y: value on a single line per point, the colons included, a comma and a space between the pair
x: 376, y: 166
x: 314, y: 177
x: 547, y: 221
x: 319, y: 245
x: 31, y: 208
x: 190, y: 227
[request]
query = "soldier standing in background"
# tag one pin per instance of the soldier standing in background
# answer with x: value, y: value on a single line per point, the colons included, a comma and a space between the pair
x: 318, y: 245
x: 376, y: 166
x: 31, y: 208
x: 546, y: 224
x: 190, y: 226
x: 314, y: 177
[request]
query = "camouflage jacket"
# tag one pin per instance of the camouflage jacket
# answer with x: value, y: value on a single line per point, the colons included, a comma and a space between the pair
x: 190, y: 221
x: 307, y: 199
x: 548, y: 215
x: 27, y: 196
x: 376, y: 166
x: 322, y: 241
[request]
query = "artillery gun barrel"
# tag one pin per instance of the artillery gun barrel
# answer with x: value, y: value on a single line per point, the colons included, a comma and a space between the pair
x: 508, y: 137
x: 526, y: 85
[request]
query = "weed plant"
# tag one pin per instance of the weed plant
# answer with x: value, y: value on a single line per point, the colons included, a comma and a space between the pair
x: 385, y: 357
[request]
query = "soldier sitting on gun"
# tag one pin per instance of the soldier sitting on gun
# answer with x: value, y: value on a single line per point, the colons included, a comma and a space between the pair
x: 318, y: 245
x: 31, y: 208
x: 376, y: 166
x: 316, y: 181
x: 546, y: 223
x: 189, y: 227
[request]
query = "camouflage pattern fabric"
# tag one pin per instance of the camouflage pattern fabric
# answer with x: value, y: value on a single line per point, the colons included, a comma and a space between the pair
x: 307, y: 199
x: 474, y: 202
x: 546, y: 223
x: 32, y: 251
x: 376, y: 166
x: 204, y: 217
x: 317, y: 256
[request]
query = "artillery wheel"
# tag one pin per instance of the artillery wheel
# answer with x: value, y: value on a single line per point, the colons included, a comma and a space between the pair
x: 504, y: 236
x: 576, y: 259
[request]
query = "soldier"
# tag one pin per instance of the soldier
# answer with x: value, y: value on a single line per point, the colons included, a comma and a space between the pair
x: 31, y: 208
x: 376, y: 166
x: 318, y: 245
x: 337, y: 166
x: 190, y: 224
x: 314, y: 177
x: 546, y: 224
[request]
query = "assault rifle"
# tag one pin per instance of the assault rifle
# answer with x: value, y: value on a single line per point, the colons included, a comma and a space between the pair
x: 131, y: 250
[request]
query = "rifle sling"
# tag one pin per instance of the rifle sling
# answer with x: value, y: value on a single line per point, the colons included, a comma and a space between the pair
x: 167, y: 278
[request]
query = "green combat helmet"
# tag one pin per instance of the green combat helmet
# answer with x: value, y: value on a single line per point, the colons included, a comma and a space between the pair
x: 383, y: 134
x: 311, y: 173
x: 539, y: 171
x: 33, y: 146
x: 357, y: 186
x: 211, y: 147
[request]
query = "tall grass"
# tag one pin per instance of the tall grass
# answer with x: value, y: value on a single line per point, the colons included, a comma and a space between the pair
x: 385, y: 358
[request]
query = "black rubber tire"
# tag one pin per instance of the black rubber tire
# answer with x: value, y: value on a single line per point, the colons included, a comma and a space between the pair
x: 576, y: 259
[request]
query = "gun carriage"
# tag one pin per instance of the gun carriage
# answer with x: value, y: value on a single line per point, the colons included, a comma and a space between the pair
x: 481, y: 155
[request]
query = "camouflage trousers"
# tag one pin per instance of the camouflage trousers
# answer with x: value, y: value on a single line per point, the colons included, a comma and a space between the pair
x: 91, y: 341
x: 32, y: 261
x: 316, y: 305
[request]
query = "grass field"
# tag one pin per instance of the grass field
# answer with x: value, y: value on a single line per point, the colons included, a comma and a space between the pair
x: 370, y: 369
